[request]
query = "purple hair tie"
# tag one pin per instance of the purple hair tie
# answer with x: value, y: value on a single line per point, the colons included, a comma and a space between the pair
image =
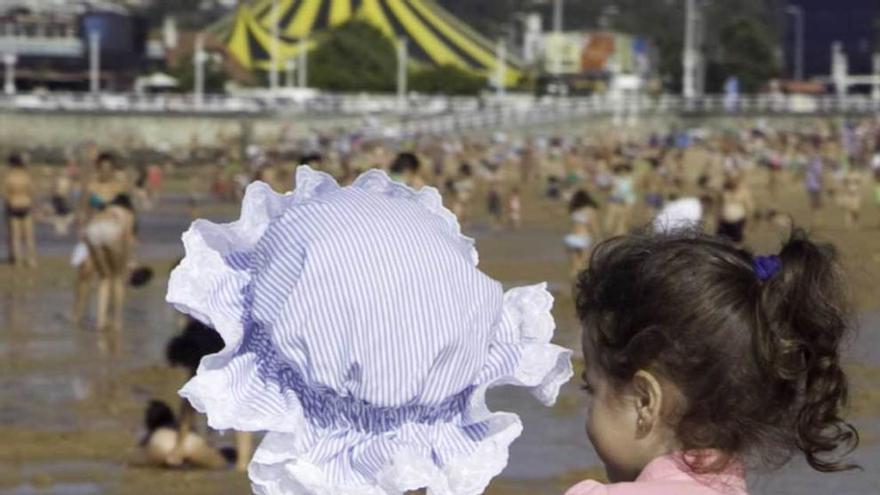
x: 766, y: 267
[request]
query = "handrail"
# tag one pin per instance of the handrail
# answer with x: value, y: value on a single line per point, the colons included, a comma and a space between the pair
x: 443, y: 112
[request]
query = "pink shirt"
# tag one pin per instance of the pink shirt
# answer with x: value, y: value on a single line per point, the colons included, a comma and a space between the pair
x: 668, y: 475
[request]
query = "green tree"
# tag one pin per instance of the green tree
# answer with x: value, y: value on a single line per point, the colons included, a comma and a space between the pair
x: 355, y: 56
x: 877, y: 33
x: 446, y: 79
x: 660, y: 21
x: 746, y: 51
x: 190, y: 14
x: 215, y: 74
x: 492, y: 18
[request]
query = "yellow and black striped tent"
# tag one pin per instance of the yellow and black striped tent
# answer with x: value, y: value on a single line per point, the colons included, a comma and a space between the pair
x: 435, y: 36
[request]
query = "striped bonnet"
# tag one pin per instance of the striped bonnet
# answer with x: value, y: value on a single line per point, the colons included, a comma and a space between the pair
x: 360, y: 335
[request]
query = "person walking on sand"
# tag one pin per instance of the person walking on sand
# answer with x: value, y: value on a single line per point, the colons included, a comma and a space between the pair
x: 62, y: 213
x: 621, y: 200
x: 98, y: 188
x: 813, y: 181
x: 583, y: 211
x: 109, y: 237
x: 514, y: 209
x: 18, y: 199
x: 736, y: 205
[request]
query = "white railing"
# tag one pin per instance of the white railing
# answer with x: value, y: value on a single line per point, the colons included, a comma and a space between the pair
x: 426, y: 114
x: 317, y: 104
x: 631, y: 108
x: 129, y: 103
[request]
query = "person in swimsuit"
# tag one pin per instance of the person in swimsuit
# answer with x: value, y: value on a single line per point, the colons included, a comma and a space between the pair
x: 582, y: 209
x: 813, y: 182
x: 621, y: 200
x: 851, y: 198
x: 18, y: 198
x: 736, y: 205
x: 406, y: 168
x: 463, y: 190
x: 99, y: 188
x: 494, y: 205
x: 109, y: 237
x: 652, y: 185
x: 139, y: 191
x: 178, y: 447
x: 62, y: 213
x: 161, y: 440
x: 154, y: 181
x: 514, y: 209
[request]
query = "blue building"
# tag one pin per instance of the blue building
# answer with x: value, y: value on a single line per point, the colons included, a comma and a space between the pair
x: 50, y: 47
x: 855, y: 23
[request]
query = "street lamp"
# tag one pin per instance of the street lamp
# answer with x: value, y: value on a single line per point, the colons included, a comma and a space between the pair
x: 557, y: 34
x: 94, y: 62
x: 691, y: 52
x: 199, y: 59
x: 557, y: 16
x: 798, y: 13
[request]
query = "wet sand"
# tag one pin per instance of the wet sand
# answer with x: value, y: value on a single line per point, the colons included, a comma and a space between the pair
x: 71, y: 399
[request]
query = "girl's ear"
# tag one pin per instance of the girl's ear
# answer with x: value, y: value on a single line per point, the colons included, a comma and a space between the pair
x: 648, y: 402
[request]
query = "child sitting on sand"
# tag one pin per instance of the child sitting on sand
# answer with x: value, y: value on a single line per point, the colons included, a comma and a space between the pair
x: 360, y: 334
x: 187, y: 350
x: 161, y: 439
x: 702, y: 360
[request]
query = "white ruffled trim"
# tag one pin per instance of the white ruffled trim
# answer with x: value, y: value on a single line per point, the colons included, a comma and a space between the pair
x: 204, y: 274
x: 275, y: 471
x: 203, y: 271
x: 544, y: 367
x: 279, y: 466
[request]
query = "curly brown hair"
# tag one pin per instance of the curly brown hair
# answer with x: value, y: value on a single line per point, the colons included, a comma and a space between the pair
x: 756, y: 362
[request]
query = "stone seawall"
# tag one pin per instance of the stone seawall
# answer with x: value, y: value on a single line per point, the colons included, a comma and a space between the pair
x: 158, y: 131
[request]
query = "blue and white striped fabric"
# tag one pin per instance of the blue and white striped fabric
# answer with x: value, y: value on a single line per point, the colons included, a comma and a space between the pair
x: 360, y: 334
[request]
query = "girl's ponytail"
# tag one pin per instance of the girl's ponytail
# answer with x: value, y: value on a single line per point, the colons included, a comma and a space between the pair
x: 803, y: 317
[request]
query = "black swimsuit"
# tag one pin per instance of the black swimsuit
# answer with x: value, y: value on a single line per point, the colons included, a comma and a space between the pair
x: 14, y: 212
x: 59, y: 204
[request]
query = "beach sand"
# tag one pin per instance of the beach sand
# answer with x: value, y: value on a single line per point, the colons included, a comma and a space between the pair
x: 71, y: 399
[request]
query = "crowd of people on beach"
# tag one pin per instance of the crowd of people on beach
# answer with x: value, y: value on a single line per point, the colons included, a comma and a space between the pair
x: 723, y: 180
x: 633, y: 178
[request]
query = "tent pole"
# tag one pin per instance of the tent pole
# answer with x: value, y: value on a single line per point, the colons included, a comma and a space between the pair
x: 291, y: 65
x: 302, y: 63
x: 199, y: 79
x: 402, y: 60
x: 273, y: 70
x: 501, y: 68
